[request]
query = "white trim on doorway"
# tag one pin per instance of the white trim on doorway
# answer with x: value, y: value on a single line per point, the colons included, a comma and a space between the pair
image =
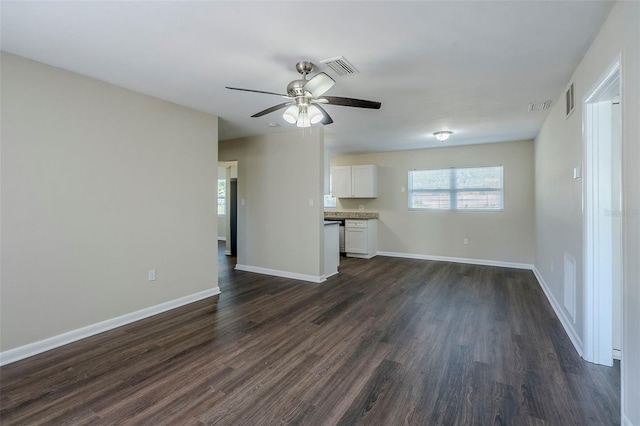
x: 597, y: 232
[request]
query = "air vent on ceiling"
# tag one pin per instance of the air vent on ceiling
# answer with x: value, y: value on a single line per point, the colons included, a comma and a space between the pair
x: 340, y: 65
x: 539, y: 106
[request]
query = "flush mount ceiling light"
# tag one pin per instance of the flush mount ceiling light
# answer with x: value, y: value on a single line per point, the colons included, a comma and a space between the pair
x: 443, y: 135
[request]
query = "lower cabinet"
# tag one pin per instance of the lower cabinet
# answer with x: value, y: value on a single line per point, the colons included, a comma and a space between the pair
x: 360, y: 237
x: 331, y: 249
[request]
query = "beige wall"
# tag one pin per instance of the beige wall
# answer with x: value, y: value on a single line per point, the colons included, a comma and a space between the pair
x: 277, y: 176
x: 559, y: 197
x: 506, y: 236
x: 99, y: 185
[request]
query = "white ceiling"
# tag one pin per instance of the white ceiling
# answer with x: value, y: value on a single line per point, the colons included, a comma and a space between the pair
x: 467, y: 66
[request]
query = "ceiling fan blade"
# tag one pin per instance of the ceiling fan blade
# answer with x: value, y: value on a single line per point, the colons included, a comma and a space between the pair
x: 319, y: 84
x: 350, y: 102
x: 270, y: 110
x: 260, y: 91
x: 326, y: 117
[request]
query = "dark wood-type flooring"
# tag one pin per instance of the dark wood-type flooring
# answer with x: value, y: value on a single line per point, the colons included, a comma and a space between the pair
x: 386, y: 342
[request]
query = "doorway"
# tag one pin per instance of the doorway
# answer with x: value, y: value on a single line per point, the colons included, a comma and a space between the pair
x: 231, y: 207
x: 603, y: 227
x: 227, y: 222
x: 233, y: 217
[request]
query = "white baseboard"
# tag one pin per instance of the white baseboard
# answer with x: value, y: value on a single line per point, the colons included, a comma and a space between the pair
x: 560, y: 313
x: 26, y: 351
x: 458, y: 260
x: 362, y: 256
x: 283, y: 274
x: 222, y: 238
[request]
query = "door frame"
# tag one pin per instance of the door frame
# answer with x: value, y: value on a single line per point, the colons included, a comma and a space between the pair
x: 598, y: 296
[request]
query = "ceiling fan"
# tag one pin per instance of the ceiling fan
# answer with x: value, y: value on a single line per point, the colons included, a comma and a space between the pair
x: 305, y: 98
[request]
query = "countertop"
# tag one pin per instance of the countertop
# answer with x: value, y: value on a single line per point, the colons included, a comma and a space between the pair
x: 350, y: 215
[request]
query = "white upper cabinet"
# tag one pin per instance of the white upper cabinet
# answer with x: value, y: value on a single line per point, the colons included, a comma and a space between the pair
x: 364, y: 181
x: 355, y: 181
x: 341, y: 181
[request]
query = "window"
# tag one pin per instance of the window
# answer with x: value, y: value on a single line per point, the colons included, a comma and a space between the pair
x: 222, y: 197
x: 329, y: 201
x: 474, y: 188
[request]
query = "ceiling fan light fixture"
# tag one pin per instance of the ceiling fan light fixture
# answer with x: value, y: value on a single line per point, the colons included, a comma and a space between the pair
x: 302, y: 93
x: 291, y: 114
x: 442, y: 135
x: 315, y: 115
x: 303, y: 118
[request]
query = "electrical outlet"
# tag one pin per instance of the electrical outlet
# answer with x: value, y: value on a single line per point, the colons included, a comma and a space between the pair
x: 310, y: 202
x: 361, y: 207
x: 152, y: 274
x: 402, y: 189
x: 465, y: 241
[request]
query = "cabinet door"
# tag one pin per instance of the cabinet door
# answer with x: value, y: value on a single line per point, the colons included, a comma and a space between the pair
x: 341, y: 181
x: 355, y: 240
x: 364, y: 181
x: 331, y: 249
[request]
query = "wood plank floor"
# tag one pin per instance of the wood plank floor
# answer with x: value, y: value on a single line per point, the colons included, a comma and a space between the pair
x: 386, y: 342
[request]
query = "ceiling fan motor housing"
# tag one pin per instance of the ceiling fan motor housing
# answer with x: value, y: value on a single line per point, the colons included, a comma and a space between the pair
x: 296, y: 88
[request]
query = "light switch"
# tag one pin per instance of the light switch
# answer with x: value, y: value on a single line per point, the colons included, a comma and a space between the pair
x: 577, y: 172
x: 310, y: 202
x: 242, y: 201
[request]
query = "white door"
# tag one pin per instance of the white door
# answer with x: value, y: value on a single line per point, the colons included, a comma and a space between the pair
x: 616, y: 206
